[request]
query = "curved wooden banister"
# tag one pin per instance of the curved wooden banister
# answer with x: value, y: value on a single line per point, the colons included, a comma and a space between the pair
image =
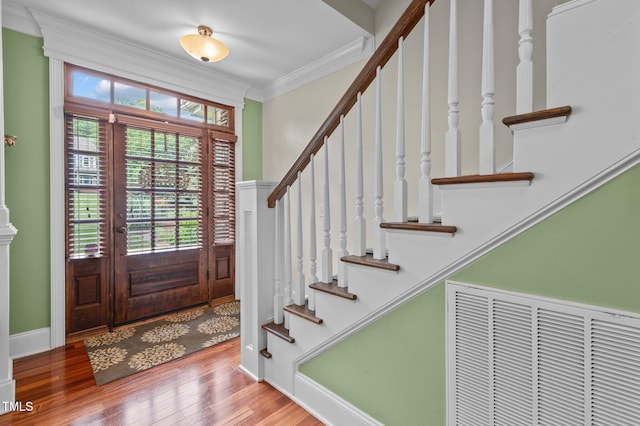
x: 381, y: 56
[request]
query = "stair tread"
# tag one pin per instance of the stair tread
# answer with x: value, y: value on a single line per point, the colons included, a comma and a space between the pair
x: 499, y: 177
x: 334, y: 289
x: 278, y: 330
x: 368, y: 260
x: 424, y: 227
x: 303, y: 312
x: 265, y: 353
x: 545, y: 114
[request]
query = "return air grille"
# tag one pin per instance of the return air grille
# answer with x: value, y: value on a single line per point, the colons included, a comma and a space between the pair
x: 515, y: 359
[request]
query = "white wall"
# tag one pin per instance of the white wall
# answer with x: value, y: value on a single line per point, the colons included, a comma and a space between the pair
x: 290, y: 120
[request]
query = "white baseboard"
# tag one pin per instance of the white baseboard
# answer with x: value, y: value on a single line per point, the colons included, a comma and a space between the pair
x: 7, y: 393
x: 29, y: 342
x: 326, y: 405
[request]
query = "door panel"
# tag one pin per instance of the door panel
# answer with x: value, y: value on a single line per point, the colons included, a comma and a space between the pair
x: 87, y: 224
x: 87, y: 296
x: 222, y: 280
x: 222, y: 208
x: 151, y: 284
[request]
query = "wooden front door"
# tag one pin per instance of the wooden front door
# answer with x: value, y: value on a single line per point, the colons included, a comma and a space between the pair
x: 160, y: 226
x: 150, y: 211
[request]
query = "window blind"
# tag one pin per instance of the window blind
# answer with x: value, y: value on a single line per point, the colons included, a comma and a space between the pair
x: 86, y: 186
x: 223, y: 190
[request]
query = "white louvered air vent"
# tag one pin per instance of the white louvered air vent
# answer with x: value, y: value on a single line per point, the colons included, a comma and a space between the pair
x: 516, y: 359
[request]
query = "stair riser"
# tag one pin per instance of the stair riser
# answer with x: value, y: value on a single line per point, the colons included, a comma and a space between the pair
x: 278, y: 370
x: 336, y: 310
x: 376, y: 286
x: 308, y: 335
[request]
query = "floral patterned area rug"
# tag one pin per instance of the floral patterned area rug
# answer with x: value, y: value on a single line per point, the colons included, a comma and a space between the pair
x: 133, y: 349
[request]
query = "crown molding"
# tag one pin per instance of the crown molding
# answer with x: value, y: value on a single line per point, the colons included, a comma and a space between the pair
x: 17, y: 18
x: 357, y: 50
x: 569, y: 6
x: 80, y: 45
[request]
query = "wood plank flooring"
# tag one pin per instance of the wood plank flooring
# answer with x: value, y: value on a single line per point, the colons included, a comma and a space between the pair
x: 204, y: 388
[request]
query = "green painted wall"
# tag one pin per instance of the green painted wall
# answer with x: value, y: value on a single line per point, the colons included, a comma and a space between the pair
x: 26, y: 98
x: 26, y: 106
x: 395, y: 368
x: 252, y: 140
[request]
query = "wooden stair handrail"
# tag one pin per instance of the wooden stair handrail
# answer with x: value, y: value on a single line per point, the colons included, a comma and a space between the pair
x: 380, y: 57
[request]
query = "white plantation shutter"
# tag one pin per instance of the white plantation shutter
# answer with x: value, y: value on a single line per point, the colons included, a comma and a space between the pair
x: 520, y: 360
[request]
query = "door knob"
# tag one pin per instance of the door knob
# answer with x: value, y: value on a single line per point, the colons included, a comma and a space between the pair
x: 122, y: 230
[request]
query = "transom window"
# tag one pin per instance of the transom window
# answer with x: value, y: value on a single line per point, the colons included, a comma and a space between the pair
x: 121, y: 94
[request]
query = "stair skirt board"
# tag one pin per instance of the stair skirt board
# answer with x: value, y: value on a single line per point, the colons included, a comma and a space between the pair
x: 325, y: 405
x: 279, y: 370
x: 328, y: 407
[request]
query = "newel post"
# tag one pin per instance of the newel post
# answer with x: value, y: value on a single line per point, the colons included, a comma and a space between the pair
x: 255, y: 277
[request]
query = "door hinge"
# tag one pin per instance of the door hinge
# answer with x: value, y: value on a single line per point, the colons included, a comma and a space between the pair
x: 208, y: 275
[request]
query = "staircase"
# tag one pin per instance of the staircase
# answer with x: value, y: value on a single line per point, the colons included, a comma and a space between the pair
x: 296, y: 304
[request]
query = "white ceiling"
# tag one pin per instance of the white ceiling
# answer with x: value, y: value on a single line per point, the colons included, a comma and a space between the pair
x: 267, y: 39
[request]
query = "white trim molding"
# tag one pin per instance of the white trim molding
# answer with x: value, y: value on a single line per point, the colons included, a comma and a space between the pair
x: 569, y: 6
x: 357, y: 50
x: 17, y: 18
x: 57, y: 201
x: 29, y: 342
x: 328, y: 407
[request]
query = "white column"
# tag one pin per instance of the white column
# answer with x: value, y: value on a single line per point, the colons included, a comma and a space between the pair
x: 326, y: 273
x: 300, y: 288
x: 359, y: 223
x: 342, y: 267
x: 524, y: 71
x: 486, y: 148
x: 255, y: 246
x: 312, y: 232
x: 425, y: 189
x: 452, y: 141
x: 379, y: 245
x: 400, y: 185
x: 7, y: 232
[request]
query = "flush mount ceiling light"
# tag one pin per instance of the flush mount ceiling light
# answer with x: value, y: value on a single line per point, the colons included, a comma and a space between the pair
x: 203, y: 46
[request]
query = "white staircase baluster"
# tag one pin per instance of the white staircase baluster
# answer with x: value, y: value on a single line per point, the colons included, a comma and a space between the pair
x: 425, y: 189
x: 287, y: 255
x: 452, y: 141
x: 312, y: 233
x: 379, y: 246
x: 326, y: 275
x: 486, y: 150
x: 277, y: 296
x: 342, y: 267
x: 300, y: 288
x: 360, y: 226
x: 524, y: 71
x: 400, y: 187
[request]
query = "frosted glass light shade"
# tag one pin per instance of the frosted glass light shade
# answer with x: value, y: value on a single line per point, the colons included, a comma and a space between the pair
x: 203, y: 46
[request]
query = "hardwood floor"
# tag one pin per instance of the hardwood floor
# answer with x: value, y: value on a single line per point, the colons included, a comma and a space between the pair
x: 204, y: 388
